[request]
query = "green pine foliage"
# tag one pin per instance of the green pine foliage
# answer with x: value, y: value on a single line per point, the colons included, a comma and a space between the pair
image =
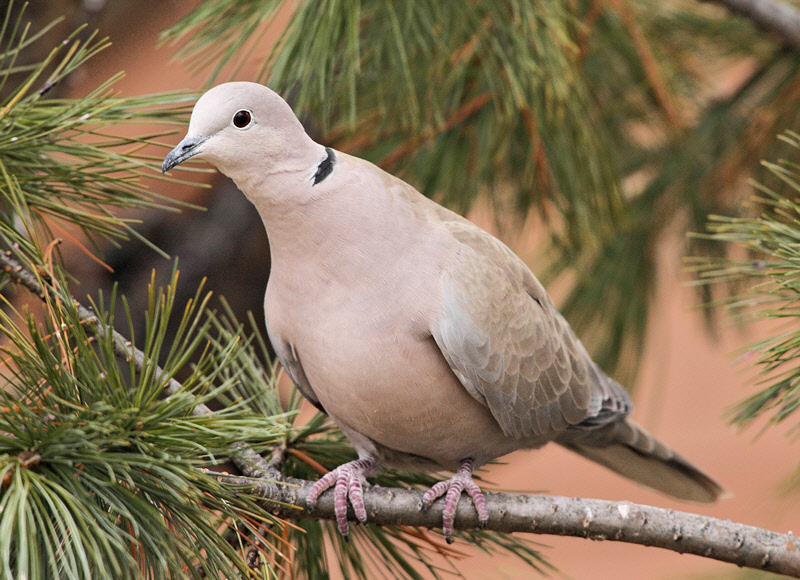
x: 767, y: 276
x: 59, y: 158
x: 424, y: 85
x: 101, y: 476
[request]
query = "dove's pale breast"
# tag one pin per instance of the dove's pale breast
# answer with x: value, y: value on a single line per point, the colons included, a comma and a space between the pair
x: 365, y: 344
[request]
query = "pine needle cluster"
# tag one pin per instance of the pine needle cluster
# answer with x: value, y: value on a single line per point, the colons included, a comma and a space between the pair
x: 102, y: 476
x: 767, y: 276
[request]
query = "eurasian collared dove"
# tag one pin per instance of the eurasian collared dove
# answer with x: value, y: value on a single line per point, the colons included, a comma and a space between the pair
x: 427, y: 341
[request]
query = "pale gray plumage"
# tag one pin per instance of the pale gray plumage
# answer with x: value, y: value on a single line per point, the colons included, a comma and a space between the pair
x: 425, y: 339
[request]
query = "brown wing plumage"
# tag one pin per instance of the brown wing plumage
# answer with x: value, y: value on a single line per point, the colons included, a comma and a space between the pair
x: 510, y: 347
x: 514, y: 352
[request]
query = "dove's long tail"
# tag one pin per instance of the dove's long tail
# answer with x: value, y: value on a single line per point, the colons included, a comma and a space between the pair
x: 631, y: 451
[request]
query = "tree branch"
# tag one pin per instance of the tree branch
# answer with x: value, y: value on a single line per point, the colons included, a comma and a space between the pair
x: 586, y: 518
x: 774, y: 16
x: 681, y: 532
x: 465, y: 111
x: 664, y: 97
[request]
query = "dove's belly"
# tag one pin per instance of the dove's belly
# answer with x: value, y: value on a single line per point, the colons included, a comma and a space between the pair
x: 359, y: 324
x: 395, y: 389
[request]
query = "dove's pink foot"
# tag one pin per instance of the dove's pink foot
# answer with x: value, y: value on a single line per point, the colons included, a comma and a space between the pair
x: 461, y: 481
x: 347, y: 480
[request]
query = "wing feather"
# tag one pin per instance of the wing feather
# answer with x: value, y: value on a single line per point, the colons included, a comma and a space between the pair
x: 291, y: 364
x: 511, y: 349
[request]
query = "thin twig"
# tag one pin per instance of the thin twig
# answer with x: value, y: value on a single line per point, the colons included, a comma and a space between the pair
x: 663, y: 96
x: 587, y: 518
x: 587, y: 28
x: 543, y: 173
x: 278, y: 456
x: 760, y: 130
x: 365, y: 138
x: 463, y: 112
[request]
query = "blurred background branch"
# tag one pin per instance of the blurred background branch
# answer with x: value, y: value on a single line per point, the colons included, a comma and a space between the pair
x: 773, y: 16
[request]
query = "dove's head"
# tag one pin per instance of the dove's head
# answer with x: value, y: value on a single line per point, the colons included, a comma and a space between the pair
x: 245, y: 129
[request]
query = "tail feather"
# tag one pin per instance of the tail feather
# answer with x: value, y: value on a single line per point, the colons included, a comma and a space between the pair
x: 631, y: 451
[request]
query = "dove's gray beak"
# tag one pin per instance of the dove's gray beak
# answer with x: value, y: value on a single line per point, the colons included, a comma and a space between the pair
x: 185, y: 149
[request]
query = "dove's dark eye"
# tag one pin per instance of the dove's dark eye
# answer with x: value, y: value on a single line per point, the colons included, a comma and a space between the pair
x: 242, y: 119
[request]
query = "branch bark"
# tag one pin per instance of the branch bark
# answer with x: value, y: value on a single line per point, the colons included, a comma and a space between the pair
x: 774, y: 16
x: 586, y: 518
x: 681, y: 532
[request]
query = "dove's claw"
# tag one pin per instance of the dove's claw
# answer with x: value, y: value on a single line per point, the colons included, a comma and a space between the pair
x: 347, y: 480
x: 461, y: 481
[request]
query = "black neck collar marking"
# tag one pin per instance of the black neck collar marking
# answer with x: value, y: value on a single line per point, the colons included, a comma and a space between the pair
x: 325, y: 167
